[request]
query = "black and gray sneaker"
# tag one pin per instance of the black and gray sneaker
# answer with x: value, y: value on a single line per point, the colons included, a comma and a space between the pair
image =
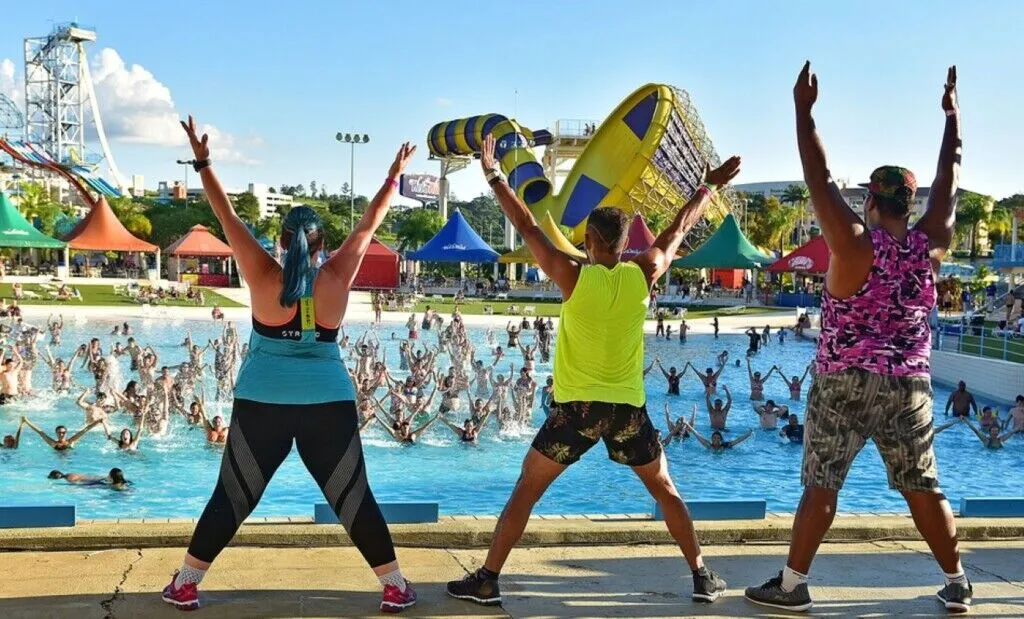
x: 956, y: 597
x: 771, y: 594
x: 477, y: 589
x: 707, y: 585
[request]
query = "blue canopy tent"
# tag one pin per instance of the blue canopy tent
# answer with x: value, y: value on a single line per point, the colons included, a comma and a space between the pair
x: 457, y: 241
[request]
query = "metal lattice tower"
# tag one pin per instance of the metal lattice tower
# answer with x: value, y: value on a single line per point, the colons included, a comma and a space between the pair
x: 10, y: 116
x: 55, y: 95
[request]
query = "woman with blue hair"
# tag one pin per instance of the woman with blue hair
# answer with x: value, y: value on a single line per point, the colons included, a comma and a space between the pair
x: 293, y: 386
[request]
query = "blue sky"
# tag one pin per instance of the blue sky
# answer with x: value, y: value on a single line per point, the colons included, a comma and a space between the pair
x: 279, y: 79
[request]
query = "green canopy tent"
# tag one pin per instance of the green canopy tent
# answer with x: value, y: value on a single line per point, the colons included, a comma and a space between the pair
x: 15, y: 231
x: 726, y: 249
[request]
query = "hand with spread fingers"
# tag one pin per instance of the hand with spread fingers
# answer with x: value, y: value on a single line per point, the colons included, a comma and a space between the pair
x: 402, y: 159
x: 200, y: 145
x: 487, y: 159
x: 724, y: 173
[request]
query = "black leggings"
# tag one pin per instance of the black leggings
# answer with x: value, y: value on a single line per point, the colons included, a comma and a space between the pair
x: 327, y: 438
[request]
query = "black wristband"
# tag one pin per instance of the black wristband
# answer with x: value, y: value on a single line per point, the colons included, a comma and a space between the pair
x: 199, y: 165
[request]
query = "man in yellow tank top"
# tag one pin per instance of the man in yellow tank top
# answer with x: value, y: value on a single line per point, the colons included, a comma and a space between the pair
x: 598, y: 386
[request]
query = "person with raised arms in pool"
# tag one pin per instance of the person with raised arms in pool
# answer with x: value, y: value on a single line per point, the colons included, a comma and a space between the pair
x: 11, y: 441
x: 293, y: 386
x: 873, y: 378
x: 598, y: 371
x: 709, y: 378
x: 989, y: 438
x: 718, y: 412
x: 672, y: 376
x: 10, y: 377
x: 62, y: 442
x: 770, y: 413
x: 680, y: 429
x: 114, y: 479
x: 124, y: 440
x: 717, y: 442
x: 757, y: 381
x: 795, y: 385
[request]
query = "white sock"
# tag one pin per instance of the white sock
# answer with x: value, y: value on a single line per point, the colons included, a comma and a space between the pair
x: 960, y: 578
x: 393, y: 578
x: 791, y: 579
x: 188, y: 574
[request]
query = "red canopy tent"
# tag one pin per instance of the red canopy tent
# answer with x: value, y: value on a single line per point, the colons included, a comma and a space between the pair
x: 102, y: 231
x: 639, y: 239
x: 811, y: 257
x: 379, y: 268
x: 199, y: 242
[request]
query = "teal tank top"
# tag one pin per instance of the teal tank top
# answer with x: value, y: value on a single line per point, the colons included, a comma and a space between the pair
x: 298, y: 362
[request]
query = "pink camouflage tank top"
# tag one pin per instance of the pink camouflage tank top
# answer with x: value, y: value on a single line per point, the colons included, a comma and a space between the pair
x: 883, y: 328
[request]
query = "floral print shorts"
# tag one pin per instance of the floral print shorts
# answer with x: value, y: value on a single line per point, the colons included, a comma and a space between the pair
x: 573, y: 428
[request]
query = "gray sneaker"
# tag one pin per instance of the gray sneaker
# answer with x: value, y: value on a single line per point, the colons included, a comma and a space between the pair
x: 956, y: 597
x: 771, y: 594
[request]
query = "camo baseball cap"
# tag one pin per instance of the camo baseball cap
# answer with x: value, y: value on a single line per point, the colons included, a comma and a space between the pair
x: 894, y: 182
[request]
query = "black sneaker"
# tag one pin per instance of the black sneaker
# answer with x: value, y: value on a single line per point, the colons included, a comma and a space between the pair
x: 771, y: 594
x: 477, y: 589
x: 956, y: 597
x: 707, y: 585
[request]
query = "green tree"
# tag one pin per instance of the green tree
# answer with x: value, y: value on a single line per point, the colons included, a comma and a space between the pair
x: 269, y: 227
x: 798, y: 195
x: 312, y: 189
x: 36, y: 205
x: 656, y: 221
x: 972, y: 211
x: 772, y: 225
x: 418, y: 226
x: 171, y: 222
x: 132, y: 216
x: 247, y: 207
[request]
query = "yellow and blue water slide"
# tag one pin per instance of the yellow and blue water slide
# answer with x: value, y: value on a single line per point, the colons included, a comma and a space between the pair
x: 464, y: 136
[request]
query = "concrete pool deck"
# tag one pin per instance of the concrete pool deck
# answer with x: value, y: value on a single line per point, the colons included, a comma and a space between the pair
x: 867, y: 579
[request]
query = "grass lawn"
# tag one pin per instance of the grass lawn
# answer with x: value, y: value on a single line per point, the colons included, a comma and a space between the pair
x: 551, y: 308
x: 993, y: 348
x: 104, y: 295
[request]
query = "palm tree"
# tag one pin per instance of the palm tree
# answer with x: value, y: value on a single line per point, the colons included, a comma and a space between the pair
x: 269, y: 227
x: 656, y: 221
x: 131, y: 216
x: 417, y: 227
x: 798, y: 195
x: 972, y: 211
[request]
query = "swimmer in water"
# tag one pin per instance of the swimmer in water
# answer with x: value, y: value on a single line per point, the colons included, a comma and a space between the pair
x: 757, y: 381
x: 796, y: 384
x: 403, y: 432
x: 124, y: 440
x: 717, y: 443
x: 718, y: 412
x: 114, y: 480
x: 992, y: 439
x: 62, y: 442
x: 672, y: 377
x: 680, y: 429
x: 770, y: 414
x: 11, y: 441
x: 709, y: 379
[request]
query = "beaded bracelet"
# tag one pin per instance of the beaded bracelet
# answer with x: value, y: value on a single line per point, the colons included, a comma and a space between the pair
x: 392, y: 182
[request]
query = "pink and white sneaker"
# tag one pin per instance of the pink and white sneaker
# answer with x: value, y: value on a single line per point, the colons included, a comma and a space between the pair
x: 185, y: 597
x: 395, y: 600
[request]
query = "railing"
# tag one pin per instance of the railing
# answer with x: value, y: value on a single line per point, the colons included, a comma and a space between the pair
x: 978, y: 339
x: 1001, y: 256
x: 573, y: 128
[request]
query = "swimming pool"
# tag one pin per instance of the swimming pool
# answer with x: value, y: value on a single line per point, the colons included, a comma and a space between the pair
x: 172, y: 476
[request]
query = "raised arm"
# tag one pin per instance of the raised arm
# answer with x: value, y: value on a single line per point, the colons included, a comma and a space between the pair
x: 981, y: 436
x: 255, y: 264
x: 939, y: 217
x: 345, y: 262
x: 561, y: 268
x: 77, y: 437
x: 658, y: 258
x: 43, y: 435
x: 703, y: 441
x: 844, y: 230
x: 139, y: 429
x: 728, y: 399
x: 739, y: 439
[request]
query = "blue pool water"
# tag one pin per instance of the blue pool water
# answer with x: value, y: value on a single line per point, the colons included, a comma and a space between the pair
x: 174, y: 475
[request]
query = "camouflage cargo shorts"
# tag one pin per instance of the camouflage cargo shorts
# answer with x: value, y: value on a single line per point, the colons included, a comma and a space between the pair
x: 573, y: 428
x: 847, y: 408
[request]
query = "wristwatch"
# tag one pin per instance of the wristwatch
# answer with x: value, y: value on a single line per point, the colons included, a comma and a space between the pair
x: 202, y: 163
x: 493, y: 175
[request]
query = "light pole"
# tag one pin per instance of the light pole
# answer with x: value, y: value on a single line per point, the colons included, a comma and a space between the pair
x: 188, y: 163
x: 353, y: 139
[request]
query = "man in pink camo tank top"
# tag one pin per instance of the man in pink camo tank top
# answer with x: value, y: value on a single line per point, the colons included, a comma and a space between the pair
x: 873, y: 379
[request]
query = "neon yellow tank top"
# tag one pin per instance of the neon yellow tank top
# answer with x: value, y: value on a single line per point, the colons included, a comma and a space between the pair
x: 599, y: 356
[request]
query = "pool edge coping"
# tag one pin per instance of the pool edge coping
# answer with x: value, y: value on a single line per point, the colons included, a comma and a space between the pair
x: 475, y: 532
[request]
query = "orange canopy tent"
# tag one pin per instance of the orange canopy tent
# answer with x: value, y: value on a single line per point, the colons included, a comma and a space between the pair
x: 101, y: 231
x: 200, y: 242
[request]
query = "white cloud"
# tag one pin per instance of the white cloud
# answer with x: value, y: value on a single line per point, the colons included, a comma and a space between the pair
x: 137, y: 108
x: 443, y: 102
x: 9, y: 85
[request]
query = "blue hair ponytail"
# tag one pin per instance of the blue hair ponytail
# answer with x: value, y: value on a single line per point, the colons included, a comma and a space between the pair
x: 300, y: 222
